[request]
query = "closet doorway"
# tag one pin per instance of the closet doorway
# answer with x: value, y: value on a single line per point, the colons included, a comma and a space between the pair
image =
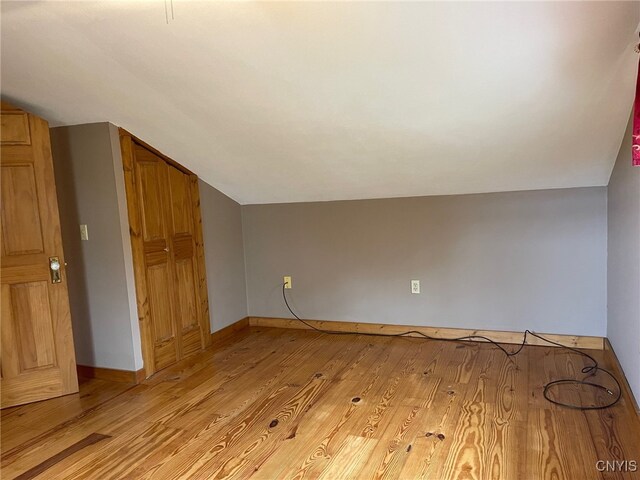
x: 163, y: 204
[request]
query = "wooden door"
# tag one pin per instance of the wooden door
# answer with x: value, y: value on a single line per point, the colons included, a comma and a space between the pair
x: 38, y: 360
x: 166, y: 238
x: 151, y: 174
x: 183, y: 254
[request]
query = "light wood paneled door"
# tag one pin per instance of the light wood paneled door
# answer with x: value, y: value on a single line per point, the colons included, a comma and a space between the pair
x: 38, y: 360
x: 184, y: 261
x: 152, y: 186
x: 163, y: 205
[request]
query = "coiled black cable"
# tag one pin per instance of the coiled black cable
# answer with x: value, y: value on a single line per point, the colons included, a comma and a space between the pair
x: 589, y: 370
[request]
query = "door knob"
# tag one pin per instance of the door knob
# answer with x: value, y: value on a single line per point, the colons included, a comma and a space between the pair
x: 54, y: 269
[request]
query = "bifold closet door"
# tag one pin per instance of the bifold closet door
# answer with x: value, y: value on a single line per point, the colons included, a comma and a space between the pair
x: 163, y: 216
x: 152, y: 178
x: 183, y: 255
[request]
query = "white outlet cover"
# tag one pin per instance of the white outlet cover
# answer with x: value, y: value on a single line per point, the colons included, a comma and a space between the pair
x: 415, y: 286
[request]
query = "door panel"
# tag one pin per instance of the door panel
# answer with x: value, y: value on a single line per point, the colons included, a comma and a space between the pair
x: 152, y: 184
x: 21, y: 231
x: 181, y: 205
x: 34, y: 331
x: 183, y: 246
x: 164, y: 354
x: 158, y: 278
x: 15, y: 128
x: 38, y: 360
x: 165, y: 345
x: 187, y: 313
x: 191, y: 341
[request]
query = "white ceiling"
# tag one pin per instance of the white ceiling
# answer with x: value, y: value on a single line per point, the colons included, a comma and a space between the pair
x: 287, y: 102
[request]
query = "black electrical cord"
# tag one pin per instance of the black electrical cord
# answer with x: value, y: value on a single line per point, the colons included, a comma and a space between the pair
x: 589, y: 370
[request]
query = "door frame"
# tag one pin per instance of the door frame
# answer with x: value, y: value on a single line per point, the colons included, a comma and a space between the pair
x: 127, y: 142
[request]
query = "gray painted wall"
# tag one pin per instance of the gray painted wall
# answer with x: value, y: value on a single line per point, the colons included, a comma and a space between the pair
x: 505, y: 261
x: 224, y: 256
x: 90, y: 190
x: 623, y: 328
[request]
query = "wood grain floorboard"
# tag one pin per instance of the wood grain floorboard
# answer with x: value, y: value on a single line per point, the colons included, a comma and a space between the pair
x: 293, y: 404
x: 25, y: 422
x: 58, y: 457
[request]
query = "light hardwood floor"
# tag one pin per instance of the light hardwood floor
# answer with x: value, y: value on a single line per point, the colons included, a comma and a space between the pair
x: 274, y: 403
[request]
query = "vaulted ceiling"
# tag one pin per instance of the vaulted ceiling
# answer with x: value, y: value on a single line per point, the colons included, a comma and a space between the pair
x: 287, y: 102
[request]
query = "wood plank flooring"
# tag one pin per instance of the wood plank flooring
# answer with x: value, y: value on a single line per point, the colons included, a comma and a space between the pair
x: 294, y: 404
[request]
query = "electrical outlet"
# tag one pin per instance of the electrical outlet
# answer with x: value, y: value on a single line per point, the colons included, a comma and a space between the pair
x: 287, y: 282
x: 415, y: 286
x: 84, y: 233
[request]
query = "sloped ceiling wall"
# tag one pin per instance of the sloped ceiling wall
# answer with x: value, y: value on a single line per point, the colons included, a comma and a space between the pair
x: 289, y: 102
